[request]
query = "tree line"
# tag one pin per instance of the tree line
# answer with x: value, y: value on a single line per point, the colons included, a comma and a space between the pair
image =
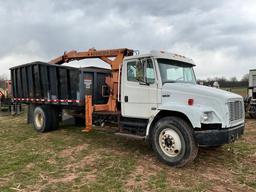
x: 227, y: 83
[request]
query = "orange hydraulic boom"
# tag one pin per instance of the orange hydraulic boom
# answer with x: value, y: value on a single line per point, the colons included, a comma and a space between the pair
x: 111, y: 81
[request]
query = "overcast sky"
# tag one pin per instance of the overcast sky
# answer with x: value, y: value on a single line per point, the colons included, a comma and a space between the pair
x: 220, y: 36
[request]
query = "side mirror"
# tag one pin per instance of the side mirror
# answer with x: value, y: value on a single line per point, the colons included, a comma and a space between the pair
x: 139, y: 71
x: 141, y: 66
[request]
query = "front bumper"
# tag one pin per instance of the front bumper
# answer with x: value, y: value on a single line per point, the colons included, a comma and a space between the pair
x: 216, y: 137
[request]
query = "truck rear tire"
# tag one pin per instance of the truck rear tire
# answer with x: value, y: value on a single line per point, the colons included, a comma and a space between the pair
x: 45, y: 119
x: 173, y: 141
x: 79, y: 121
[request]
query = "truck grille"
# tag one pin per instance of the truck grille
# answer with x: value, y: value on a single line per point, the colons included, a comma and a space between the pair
x: 235, y: 110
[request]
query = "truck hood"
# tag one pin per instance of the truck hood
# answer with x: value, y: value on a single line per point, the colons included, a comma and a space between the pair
x: 177, y: 95
x: 199, y: 90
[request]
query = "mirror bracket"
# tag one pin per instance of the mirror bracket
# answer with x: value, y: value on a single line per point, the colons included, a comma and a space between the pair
x: 141, y: 67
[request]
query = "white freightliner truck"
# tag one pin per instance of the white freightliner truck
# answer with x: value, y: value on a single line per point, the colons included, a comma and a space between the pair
x: 156, y: 98
x: 250, y: 99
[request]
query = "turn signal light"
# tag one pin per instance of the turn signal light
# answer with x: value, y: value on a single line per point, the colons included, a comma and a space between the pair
x: 190, y: 101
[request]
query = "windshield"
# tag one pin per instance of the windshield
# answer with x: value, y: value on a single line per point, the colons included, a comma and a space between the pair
x: 175, y: 71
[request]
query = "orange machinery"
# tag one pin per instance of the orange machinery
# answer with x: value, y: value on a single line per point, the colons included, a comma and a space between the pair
x: 6, y: 92
x: 117, y: 56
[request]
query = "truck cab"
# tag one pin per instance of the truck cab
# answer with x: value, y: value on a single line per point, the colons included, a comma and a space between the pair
x: 180, y: 115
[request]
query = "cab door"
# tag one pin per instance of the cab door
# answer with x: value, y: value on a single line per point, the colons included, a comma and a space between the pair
x: 138, y: 99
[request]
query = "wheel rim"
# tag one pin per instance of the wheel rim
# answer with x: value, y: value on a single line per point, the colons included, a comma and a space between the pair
x: 39, y: 120
x: 170, y: 142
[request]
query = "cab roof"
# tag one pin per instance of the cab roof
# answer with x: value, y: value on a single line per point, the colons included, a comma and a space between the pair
x: 163, y: 55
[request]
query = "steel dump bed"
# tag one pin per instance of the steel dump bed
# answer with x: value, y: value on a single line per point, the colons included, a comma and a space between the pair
x: 45, y: 83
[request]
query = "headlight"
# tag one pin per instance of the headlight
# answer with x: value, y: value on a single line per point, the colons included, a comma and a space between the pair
x: 207, y: 117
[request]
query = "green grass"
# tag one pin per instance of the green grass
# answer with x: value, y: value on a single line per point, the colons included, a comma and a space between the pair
x: 238, y: 90
x: 70, y: 160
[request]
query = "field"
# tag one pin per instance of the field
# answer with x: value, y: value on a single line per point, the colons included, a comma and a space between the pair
x: 69, y: 160
x: 238, y: 90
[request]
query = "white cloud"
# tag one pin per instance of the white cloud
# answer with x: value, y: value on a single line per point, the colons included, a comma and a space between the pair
x: 14, y: 60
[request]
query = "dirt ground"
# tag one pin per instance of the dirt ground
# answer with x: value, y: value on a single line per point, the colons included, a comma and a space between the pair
x: 69, y: 160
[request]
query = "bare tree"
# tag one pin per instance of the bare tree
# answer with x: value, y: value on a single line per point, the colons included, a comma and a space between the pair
x: 3, y: 78
x: 233, y: 79
x: 245, y: 78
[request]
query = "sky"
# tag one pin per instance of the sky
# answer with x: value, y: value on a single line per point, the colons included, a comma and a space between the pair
x: 220, y: 35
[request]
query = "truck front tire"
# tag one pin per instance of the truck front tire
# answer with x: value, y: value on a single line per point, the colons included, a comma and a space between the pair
x: 45, y: 119
x: 173, y: 141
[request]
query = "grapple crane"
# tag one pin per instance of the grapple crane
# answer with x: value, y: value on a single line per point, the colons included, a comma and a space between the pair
x: 117, y: 56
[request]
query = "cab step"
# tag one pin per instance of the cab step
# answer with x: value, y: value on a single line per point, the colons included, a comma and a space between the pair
x: 131, y: 136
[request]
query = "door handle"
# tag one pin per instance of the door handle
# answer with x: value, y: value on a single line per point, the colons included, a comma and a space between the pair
x: 125, y: 98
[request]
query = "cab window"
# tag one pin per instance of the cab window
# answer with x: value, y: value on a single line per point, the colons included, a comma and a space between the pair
x: 131, y: 71
x: 149, y: 74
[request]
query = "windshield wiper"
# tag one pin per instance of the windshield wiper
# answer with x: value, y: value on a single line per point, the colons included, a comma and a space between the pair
x: 170, y: 81
x: 178, y: 82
